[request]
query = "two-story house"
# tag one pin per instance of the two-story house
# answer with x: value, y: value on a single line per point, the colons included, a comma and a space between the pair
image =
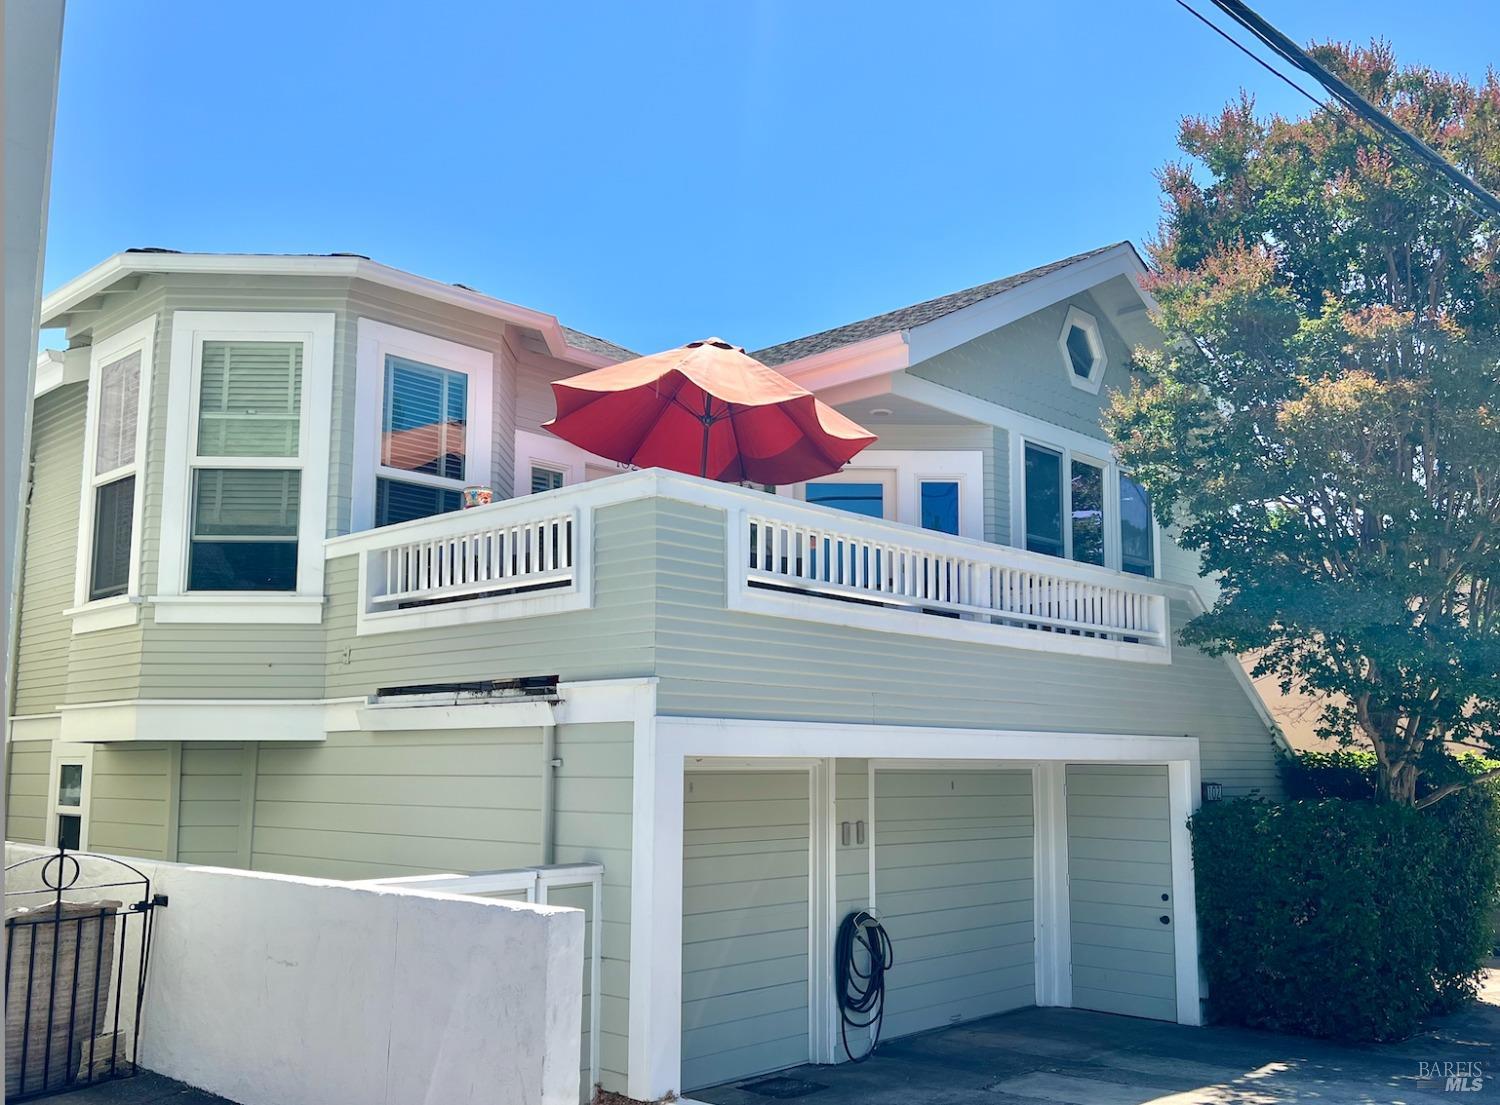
x: 255, y: 630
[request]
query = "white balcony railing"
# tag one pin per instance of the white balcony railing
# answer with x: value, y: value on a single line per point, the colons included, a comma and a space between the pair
x: 485, y: 560
x: 812, y: 552
x: 535, y: 555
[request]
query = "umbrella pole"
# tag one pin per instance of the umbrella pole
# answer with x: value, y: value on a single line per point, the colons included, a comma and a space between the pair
x: 708, y: 428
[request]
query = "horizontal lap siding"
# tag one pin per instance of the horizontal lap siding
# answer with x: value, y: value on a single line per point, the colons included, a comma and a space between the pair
x: 367, y: 805
x: 213, y: 805
x: 593, y: 823
x: 953, y: 884
x: 612, y: 640
x: 717, y: 663
x: 1119, y: 866
x: 744, y: 927
x: 51, y: 550
x: 130, y: 807
x: 28, y: 768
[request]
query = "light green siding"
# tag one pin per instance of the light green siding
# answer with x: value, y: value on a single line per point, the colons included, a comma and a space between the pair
x: 593, y: 824
x: 132, y: 807
x: 1119, y: 887
x: 1020, y: 367
x: 368, y: 805
x: 744, y: 924
x: 51, y: 550
x: 218, y: 783
x: 613, y: 640
x: 719, y: 663
x: 28, y: 765
x: 953, y: 884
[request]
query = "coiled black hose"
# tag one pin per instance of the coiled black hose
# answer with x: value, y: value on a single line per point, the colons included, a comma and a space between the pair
x: 861, y: 993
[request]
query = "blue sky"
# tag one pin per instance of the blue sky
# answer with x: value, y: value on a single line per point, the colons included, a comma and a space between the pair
x: 655, y: 172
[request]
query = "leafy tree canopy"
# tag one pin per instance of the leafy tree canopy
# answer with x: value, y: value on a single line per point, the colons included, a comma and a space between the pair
x: 1324, y: 422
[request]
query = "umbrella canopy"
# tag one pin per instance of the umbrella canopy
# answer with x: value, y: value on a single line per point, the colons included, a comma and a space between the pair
x: 707, y: 409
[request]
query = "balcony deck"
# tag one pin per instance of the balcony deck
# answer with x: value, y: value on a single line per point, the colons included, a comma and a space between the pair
x: 534, y: 556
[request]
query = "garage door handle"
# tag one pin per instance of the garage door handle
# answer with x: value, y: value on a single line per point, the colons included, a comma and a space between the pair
x: 1165, y: 919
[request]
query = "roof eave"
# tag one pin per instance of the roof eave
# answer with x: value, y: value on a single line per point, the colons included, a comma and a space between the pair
x: 108, y: 272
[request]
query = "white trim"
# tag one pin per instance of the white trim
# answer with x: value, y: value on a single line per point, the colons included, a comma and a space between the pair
x: 315, y: 330
x: 91, y: 614
x: 34, y: 727
x: 99, y: 278
x: 1184, y: 794
x: 377, y: 340
x: 912, y: 468
x: 1054, y: 941
x: 1082, y: 320
x: 57, y: 368
x: 655, y: 1047
x: 250, y: 608
x: 84, y: 757
x: 543, y: 450
x: 823, y: 918
x: 196, y: 720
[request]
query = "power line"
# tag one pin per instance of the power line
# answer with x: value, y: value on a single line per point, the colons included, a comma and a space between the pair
x: 1249, y: 53
x: 1347, y: 96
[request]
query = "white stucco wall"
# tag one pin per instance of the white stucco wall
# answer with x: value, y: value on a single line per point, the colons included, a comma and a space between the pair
x: 279, y: 990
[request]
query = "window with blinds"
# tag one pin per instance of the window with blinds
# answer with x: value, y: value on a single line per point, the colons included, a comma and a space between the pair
x: 115, y: 417
x: 245, y: 512
x: 423, y: 434
x: 250, y: 399
x: 545, y: 479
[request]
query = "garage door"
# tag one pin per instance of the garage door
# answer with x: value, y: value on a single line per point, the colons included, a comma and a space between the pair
x: 1120, y: 882
x: 744, y: 924
x: 953, y: 885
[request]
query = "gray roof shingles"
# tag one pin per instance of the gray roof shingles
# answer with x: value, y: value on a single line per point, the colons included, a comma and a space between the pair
x: 915, y: 315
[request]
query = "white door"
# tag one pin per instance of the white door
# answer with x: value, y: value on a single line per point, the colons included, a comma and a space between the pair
x: 1120, y: 889
x: 953, y: 887
x: 744, y: 924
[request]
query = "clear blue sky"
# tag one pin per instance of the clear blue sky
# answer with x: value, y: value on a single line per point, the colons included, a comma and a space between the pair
x: 654, y: 173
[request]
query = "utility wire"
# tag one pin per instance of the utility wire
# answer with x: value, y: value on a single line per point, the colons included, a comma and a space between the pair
x: 1249, y: 53
x: 1348, y: 97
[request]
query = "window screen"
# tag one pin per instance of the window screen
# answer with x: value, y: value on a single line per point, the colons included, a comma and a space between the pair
x: 114, y: 519
x: 1137, y: 548
x: 1087, y: 511
x: 119, y: 402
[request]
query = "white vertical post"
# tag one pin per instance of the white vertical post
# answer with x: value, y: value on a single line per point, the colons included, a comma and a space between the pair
x: 1054, y: 943
x: 1183, y: 794
x: 822, y: 1010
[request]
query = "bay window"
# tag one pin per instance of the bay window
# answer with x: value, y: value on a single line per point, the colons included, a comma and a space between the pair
x: 245, y: 485
x: 247, y: 475
x: 422, y: 424
x: 106, y: 586
x: 1081, y: 507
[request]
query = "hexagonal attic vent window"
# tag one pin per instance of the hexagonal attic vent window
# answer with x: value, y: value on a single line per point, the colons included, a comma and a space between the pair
x: 1082, y: 350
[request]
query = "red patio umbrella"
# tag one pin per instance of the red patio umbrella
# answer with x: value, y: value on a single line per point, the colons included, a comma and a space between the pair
x: 707, y: 409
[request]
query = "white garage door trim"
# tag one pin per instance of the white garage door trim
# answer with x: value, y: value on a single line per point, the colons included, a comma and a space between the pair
x: 663, y: 745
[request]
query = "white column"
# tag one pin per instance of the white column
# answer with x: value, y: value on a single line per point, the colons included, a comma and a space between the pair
x: 1054, y: 945
x: 1184, y: 799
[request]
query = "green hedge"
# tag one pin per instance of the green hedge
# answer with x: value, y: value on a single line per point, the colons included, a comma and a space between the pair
x: 1344, y: 918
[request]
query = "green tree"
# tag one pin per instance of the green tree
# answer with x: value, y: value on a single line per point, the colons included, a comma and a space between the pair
x: 1325, y: 420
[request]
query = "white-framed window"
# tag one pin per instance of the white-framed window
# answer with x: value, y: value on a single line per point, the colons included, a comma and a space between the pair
x: 68, y: 791
x: 937, y: 489
x: 545, y: 463
x: 245, y: 486
x: 423, y: 424
x: 1082, y: 348
x: 106, y: 588
x: 1076, y: 504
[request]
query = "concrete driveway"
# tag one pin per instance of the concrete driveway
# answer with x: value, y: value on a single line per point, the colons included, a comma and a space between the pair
x: 1070, y: 1057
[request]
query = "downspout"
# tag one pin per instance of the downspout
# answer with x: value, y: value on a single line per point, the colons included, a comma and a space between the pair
x: 550, y: 764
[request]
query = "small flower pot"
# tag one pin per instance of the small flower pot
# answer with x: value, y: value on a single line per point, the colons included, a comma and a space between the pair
x: 478, y: 496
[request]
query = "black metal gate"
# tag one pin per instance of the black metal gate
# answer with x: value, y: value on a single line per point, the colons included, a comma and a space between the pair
x: 77, y: 945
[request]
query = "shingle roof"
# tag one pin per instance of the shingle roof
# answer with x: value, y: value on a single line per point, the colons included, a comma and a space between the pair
x: 590, y: 344
x: 915, y: 315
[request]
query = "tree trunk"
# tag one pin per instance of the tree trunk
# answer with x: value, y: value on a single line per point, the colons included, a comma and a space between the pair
x: 1396, y: 782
